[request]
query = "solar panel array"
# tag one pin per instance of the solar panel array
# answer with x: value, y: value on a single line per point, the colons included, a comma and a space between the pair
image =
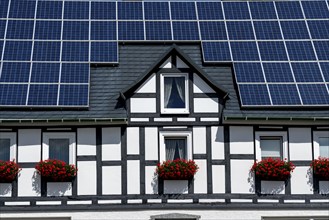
x: 280, y: 50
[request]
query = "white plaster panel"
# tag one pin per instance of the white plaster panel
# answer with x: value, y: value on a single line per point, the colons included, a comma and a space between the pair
x: 200, y: 86
x: 180, y: 63
x: 241, y: 140
x: 167, y: 64
x: 217, y: 143
x: 151, y: 143
x: 151, y: 180
x: 199, y: 140
x: 111, y: 143
x: 208, y: 105
x: 133, y: 177
x: 300, y: 143
x: 175, y: 186
x: 200, y: 178
x: 272, y: 187
x: 218, y: 179
x: 111, y: 180
x: 29, y: 145
x: 241, y: 181
x: 59, y: 189
x: 5, y: 189
x: 148, y: 86
x: 133, y: 140
x: 29, y: 183
x: 143, y: 105
x: 86, y: 141
x: 300, y: 181
x: 86, y: 177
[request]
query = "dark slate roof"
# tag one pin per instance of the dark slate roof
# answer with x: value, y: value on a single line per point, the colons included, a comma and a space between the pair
x: 107, y: 82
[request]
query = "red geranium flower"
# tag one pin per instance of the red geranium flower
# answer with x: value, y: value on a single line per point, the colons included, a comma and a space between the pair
x: 178, y: 169
x: 8, y: 171
x: 56, y: 170
x: 321, y: 168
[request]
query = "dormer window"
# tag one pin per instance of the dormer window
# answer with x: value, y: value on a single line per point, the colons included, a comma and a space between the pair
x: 174, y: 93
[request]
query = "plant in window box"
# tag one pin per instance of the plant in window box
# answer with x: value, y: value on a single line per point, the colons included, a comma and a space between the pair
x: 8, y: 171
x: 56, y: 170
x: 273, y: 169
x: 178, y: 169
x: 320, y: 168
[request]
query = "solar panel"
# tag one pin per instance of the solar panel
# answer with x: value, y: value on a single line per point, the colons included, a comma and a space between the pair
x: 45, y: 72
x: 262, y: 10
x: 322, y: 49
x: 284, y: 94
x: 131, y: 30
x: 48, y: 30
x: 15, y: 72
x: 158, y: 30
x: 216, y: 51
x: 2, y: 28
x: 267, y: 30
x: 130, y: 11
x: 278, y: 72
x: 314, y: 94
x: 185, y: 30
x: 49, y: 9
x: 325, y: 70
x: 103, y: 10
x: 210, y: 11
x: 43, y: 94
x: 315, y: 9
x: 73, y: 95
x: 240, y: 30
x: 236, y: 10
x: 289, y: 10
x: 46, y: 51
x: 212, y: 30
x: 76, y: 10
x: 272, y: 50
x: 294, y: 30
x: 254, y: 94
x: 248, y: 72
x: 104, y: 52
x: 75, y: 51
x: 76, y: 30
x: 22, y: 9
x: 156, y: 11
x: 300, y: 50
x: 103, y: 30
x: 18, y: 50
x: 319, y: 29
x: 307, y: 72
x: 75, y: 73
x: 183, y: 11
x: 244, y: 51
x: 13, y: 94
x: 3, y: 8
x: 20, y: 29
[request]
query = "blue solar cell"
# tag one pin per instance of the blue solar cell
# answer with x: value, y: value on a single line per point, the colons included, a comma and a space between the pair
x: 183, y: 11
x: 45, y: 72
x: 49, y: 9
x: 322, y: 49
x: 76, y: 10
x: 43, y: 95
x: 244, y: 51
x: 48, y: 30
x: 307, y: 72
x: 314, y: 94
x: 20, y: 29
x: 1, y: 46
x: 131, y: 30
x: 319, y: 28
x: 130, y: 11
x: 76, y: 30
x: 240, y: 30
x: 267, y: 30
x: 300, y: 50
x: 278, y: 72
x: 284, y: 94
x: 18, y: 50
x: 325, y: 70
x: 103, y: 10
x: 248, y: 72
x: 272, y: 50
x: 185, y: 30
x: 73, y: 95
x: 213, y: 31
x: 22, y: 9
x: 294, y: 30
x: 75, y: 73
x: 15, y: 72
x: 156, y: 11
x: 262, y: 10
x: 2, y: 28
x: 210, y: 11
x: 289, y: 10
x: 236, y: 10
x: 315, y: 9
x: 254, y: 94
x: 46, y: 51
x: 104, y: 52
x: 103, y: 30
x: 158, y: 30
x: 75, y: 51
x: 3, y: 8
x: 216, y: 51
x: 13, y: 94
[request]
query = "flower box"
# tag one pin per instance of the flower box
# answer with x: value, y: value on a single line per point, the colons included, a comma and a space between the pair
x: 178, y: 169
x: 56, y: 171
x: 175, y: 186
x: 8, y: 171
x: 59, y: 188
x: 324, y: 187
x: 320, y: 168
x: 272, y: 187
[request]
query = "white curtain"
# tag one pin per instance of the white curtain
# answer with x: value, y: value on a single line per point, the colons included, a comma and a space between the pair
x: 59, y: 149
x: 5, y: 149
x: 170, y: 148
x: 175, y: 149
x: 180, y: 85
x: 168, y: 82
x: 181, y: 148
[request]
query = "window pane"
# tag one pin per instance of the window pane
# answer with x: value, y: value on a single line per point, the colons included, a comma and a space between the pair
x: 59, y: 149
x: 5, y: 149
x: 270, y: 147
x: 175, y: 148
x: 174, y: 92
x: 324, y: 146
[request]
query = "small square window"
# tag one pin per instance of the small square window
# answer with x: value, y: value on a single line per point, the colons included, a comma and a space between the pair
x: 271, y: 147
x: 7, y: 146
x: 321, y: 144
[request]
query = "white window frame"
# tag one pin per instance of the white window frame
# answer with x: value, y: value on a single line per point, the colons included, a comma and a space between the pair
x: 176, y: 134
x: 282, y: 135
x: 13, y: 145
x: 316, y: 138
x: 174, y: 110
x: 59, y: 135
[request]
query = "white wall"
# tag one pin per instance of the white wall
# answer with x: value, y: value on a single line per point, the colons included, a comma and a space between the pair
x: 111, y: 143
x: 218, y: 179
x: 111, y: 180
x: 200, y: 178
x: 200, y: 86
x: 300, y: 143
x: 86, y: 141
x: 142, y: 105
x: 148, y: 86
x: 241, y: 140
x: 86, y: 177
x: 151, y: 143
x: 199, y: 140
x: 133, y: 177
x: 205, y: 105
x: 241, y: 182
x: 29, y: 183
x: 151, y: 180
x: 301, y: 181
x: 133, y: 140
x: 217, y: 143
x: 29, y: 145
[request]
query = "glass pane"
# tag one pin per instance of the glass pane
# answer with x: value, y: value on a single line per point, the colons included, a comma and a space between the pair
x: 324, y: 146
x: 5, y: 149
x: 174, y: 92
x: 59, y: 149
x: 270, y: 147
x: 175, y: 148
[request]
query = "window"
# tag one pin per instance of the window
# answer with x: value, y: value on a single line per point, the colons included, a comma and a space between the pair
x: 271, y: 144
x: 174, y: 93
x: 7, y: 146
x: 321, y: 144
x: 175, y: 145
x: 60, y: 146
